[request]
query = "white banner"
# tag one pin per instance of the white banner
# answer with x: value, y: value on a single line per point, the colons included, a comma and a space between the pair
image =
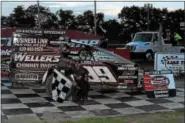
x: 161, y: 84
x: 169, y: 61
x: 163, y: 79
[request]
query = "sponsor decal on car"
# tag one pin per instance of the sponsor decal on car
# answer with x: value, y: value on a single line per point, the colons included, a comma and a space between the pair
x: 26, y: 76
x: 23, y: 57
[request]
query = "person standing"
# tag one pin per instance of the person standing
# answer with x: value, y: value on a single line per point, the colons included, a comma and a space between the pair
x: 177, y: 38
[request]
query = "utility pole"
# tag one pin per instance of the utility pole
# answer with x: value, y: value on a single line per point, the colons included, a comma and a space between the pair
x: 160, y: 35
x: 38, y: 9
x: 148, y: 7
x: 95, y: 17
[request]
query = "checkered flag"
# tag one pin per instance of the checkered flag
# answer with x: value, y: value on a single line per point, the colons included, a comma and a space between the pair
x: 61, y: 86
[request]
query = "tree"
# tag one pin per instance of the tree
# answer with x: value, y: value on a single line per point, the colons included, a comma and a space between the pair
x: 85, y: 22
x: 4, y: 21
x: 18, y: 17
x: 89, y: 18
x: 66, y: 18
x: 113, y: 28
x: 100, y: 27
x: 47, y: 19
x: 21, y: 17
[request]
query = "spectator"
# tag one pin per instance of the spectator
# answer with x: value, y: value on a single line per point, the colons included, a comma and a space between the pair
x: 177, y: 38
x: 127, y: 35
x: 174, y: 43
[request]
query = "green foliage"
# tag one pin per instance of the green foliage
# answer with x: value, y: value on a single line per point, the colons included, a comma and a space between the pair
x: 132, y: 18
x: 163, y: 117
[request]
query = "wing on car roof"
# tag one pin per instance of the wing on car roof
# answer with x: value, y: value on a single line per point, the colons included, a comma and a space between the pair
x: 117, y: 57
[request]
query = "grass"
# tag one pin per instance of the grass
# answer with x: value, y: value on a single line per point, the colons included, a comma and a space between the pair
x: 162, y: 117
x: 165, y: 117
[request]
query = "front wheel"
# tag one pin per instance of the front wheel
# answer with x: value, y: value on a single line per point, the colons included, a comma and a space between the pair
x: 149, y: 56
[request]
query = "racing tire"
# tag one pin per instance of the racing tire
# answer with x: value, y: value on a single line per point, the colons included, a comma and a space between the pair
x: 149, y: 55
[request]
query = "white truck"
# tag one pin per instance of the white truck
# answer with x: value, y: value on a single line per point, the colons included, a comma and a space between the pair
x: 146, y: 44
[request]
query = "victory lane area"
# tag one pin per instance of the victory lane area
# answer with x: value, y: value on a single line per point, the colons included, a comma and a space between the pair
x: 34, y: 104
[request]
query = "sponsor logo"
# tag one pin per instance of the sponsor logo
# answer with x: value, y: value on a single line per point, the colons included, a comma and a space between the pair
x: 5, y: 52
x: 23, y: 57
x: 90, y: 42
x: 173, y: 62
x: 4, y: 68
x: 128, y: 73
x: 31, y: 49
x: 127, y: 77
x: 40, y: 31
x: 30, y: 41
x: 127, y: 68
x: 160, y: 82
x: 23, y: 76
x: 163, y: 93
x: 128, y: 81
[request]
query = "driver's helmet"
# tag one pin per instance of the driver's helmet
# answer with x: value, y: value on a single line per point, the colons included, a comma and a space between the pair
x: 66, y: 48
x: 65, y: 51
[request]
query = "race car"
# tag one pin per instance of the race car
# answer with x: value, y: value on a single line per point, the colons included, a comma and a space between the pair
x: 36, y: 57
x: 105, y: 70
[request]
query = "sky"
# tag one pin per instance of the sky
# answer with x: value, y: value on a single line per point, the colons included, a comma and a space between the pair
x: 110, y: 9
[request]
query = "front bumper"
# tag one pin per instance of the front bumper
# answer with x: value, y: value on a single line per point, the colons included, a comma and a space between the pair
x: 137, y: 54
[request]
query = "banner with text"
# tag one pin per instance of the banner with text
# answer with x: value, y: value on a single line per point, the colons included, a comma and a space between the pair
x: 169, y: 61
x: 159, y: 84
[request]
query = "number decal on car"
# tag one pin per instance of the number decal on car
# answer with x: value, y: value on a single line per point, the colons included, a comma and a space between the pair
x: 100, y: 74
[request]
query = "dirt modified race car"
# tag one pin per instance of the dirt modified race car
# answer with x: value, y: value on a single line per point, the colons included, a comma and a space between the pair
x: 35, y: 58
x: 106, y: 70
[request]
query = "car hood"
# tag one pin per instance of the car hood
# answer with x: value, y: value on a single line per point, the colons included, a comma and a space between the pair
x: 137, y: 43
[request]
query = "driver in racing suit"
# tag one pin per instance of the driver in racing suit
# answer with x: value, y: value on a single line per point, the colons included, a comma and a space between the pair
x: 80, y: 83
x: 81, y: 79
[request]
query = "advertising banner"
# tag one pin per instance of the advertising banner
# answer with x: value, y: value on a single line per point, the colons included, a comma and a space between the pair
x: 169, y: 61
x: 159, y: 84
